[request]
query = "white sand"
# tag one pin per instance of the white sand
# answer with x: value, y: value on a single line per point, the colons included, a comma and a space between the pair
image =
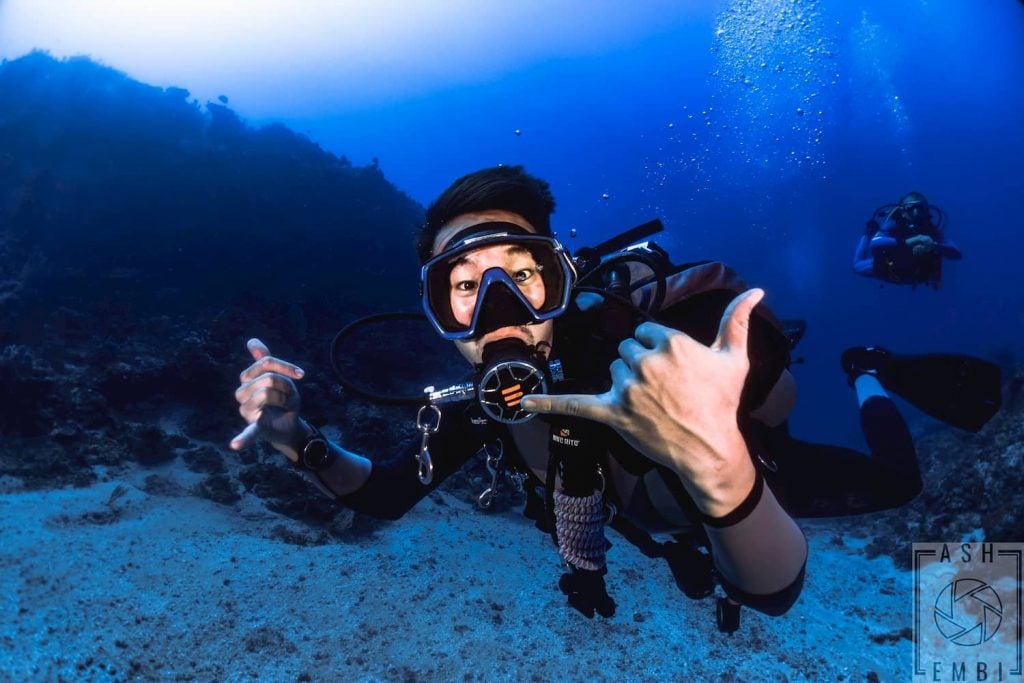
x: 154, y: 587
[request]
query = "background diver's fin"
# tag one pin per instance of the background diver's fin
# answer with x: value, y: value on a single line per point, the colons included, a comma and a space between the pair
x: 960, y: 390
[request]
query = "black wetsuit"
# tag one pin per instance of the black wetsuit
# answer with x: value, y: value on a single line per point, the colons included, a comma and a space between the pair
x: 821, y: 480
x: 809, y: 479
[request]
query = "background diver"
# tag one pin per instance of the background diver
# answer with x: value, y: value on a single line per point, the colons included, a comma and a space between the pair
x: 675, y: 428
x: 908, y: 246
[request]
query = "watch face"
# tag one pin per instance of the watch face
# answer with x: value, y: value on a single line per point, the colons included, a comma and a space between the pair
x: 316, y: 455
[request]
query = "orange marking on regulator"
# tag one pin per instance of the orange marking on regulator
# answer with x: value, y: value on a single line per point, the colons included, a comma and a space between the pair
x: 513, y: 398
x: 511, y: 390
x: 513, y: 404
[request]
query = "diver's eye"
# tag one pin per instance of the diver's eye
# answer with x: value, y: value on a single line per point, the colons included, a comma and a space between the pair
x: 523, y: 274
x: 466, y: 286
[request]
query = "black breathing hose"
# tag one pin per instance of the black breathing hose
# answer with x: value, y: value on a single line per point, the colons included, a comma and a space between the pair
x: 658, y: 277
x: 350, y: 386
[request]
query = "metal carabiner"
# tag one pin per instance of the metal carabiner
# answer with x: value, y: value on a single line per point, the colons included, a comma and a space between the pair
x: 485, y: 499
x: 494, y: 466
x: 426, y: 465
x: 517, y: 479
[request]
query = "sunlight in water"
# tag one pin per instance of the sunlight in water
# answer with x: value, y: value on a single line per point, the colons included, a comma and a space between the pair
x: 348, y: 53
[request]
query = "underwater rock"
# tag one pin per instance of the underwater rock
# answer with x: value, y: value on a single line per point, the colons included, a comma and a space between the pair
x: 39, y: 463
x: 286, y: 492
x: 27, y: 385
x: 150, y: 445
x: 219, y: 488
x: 202, y: 182
x: 204, y: 459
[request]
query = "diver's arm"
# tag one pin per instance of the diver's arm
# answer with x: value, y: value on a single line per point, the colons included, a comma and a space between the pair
x: 883, y: 239
x: 393, y: 487
x: 863, y: 261
x: 759, y: 551
x: 347, y: 472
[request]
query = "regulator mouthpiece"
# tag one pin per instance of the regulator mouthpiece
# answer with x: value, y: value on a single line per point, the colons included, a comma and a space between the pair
x: 510, y: 371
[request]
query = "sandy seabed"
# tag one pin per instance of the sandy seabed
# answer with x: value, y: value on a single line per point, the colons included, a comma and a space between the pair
x: 110, y: 583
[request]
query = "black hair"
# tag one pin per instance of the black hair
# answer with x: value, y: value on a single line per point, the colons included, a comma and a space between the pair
x: 500, y: 188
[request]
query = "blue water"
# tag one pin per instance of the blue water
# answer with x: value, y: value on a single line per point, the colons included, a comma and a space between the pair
x: 764, y: 134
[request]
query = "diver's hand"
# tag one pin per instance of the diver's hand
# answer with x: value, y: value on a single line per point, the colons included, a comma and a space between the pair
x: 921, y: 244
x: 269, y: 401
x: 676, y: 401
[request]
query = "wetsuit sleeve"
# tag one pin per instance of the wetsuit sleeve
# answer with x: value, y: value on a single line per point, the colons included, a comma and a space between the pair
x: 863, y: 261
x: 761, y: 556
x: 393, y: 487
x: 883, y: 240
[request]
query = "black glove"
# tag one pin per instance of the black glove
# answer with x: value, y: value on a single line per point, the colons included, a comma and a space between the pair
x: 586, y: 592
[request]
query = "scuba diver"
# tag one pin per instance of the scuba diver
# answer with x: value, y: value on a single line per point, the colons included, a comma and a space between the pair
x: 908, y: 246
x: 616, y: 390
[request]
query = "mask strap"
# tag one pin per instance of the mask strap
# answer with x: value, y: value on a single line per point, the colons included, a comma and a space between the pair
x: 482, y: 229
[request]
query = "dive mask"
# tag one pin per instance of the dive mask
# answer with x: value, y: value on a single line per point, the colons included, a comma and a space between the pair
x: 495, y: 275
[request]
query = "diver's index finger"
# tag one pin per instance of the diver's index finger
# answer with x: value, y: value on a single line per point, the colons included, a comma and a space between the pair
x: 271, y: 365
x: 245, y: 437
x: 574, y: 405
x: 651, y: 334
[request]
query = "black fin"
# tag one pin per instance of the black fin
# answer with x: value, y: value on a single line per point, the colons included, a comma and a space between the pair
x: 960, y: 390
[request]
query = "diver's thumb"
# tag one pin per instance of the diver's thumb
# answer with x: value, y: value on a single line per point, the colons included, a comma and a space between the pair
x: 735, y: 325
x: 257, y: 348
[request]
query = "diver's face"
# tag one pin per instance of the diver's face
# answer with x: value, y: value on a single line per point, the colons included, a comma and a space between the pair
x: 916, y: 212
x: 465, y: 277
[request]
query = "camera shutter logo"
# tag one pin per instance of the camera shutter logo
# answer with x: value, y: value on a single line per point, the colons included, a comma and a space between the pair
x: 968, y: 612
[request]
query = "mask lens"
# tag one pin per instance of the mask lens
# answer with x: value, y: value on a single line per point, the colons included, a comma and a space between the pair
x: 531, y: 267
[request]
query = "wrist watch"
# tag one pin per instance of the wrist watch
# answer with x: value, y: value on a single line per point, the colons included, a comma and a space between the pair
x: 315, y: 454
